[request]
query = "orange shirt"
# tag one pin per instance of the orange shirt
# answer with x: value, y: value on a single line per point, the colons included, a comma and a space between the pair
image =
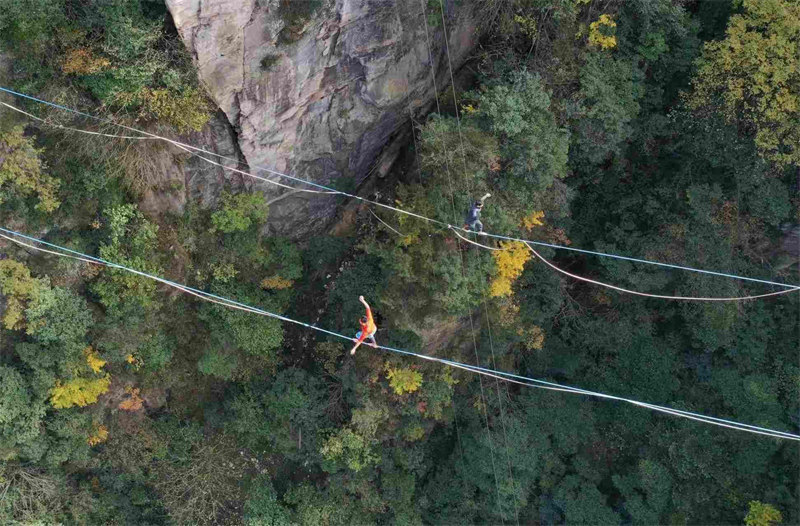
x: 369, y: 327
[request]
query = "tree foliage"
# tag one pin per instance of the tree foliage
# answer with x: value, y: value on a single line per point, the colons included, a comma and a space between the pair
x: 606, y: 107
x: 78, y: 392
x: 18, y: 287
x: 602, y: 32
x: 518, y: 112
x: 20, y: 412
x: 753, y: 74
x: 117, y: 50
x: 403, y: 380
x: 509, y: 262
x: 761, y: 514
x: 238, y: 212
x: 131, y: 242
x: 22, y: 172
x: 218, y: 415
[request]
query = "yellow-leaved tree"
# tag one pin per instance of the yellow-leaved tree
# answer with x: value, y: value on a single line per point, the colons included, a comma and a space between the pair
x: 534, y: 337
x: 83, y: 61
x: 509, y: 263
x: 403, y: 380
x: 533, y: 220
x: 276, y: 283
x: 82, y: 390
x: 754, y: 74
x: 78, y: 391
x: 23, y: 171
x: 98, y: 436
x: 93, y: 360
x: 761, y: 514
x: 602, y: 32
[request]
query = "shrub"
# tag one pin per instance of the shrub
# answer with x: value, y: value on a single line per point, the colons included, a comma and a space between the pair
x: 296, y: 14
x: 82, y: 61
x: 269, y: 60
x: 186, y: 111
x: 239, y: 212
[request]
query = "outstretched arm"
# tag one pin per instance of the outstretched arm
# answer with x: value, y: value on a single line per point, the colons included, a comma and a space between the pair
x: 485, y: 197
x: 362, y: 300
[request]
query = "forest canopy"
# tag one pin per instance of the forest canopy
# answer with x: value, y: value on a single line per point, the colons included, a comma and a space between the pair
x: 665, y: 130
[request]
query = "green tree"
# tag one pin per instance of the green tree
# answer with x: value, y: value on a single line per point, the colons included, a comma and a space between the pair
x: 518, y: 113
x: 403, y: 380
x: 661, y: 37
x: 253, y: 334
x: 285, y: 418
x: 604, y: 109
x: 131, y: 241
x: 328, y: 506
x: 19, y: 288
x: 31, y: 21
x: 646, y: 492
x: 59, y: 317
x: 22, y: 172
x: 262, y: 507
x: 146, y: 343
x: 582, y: 503
x: 219, y: 361
x: 346, y: 448
x: 21, y: 413
x: 239, y: 211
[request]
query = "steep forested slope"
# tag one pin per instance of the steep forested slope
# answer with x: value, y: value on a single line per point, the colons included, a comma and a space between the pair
x: 657, y: 129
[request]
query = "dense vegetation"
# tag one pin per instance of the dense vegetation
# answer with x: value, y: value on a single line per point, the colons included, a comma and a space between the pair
x: 656, y: 128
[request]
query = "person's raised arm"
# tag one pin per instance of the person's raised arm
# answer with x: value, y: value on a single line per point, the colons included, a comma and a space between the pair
x: 362, y: 300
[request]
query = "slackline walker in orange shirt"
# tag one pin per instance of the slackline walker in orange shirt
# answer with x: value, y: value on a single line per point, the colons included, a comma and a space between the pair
x: 368, y: 328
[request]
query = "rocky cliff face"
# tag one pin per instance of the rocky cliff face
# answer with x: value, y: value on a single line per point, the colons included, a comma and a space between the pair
x: 182, y: 176
x: 320, y: 95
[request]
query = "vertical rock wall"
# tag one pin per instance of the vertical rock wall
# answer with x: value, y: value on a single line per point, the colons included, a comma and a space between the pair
x: 324, y: 105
